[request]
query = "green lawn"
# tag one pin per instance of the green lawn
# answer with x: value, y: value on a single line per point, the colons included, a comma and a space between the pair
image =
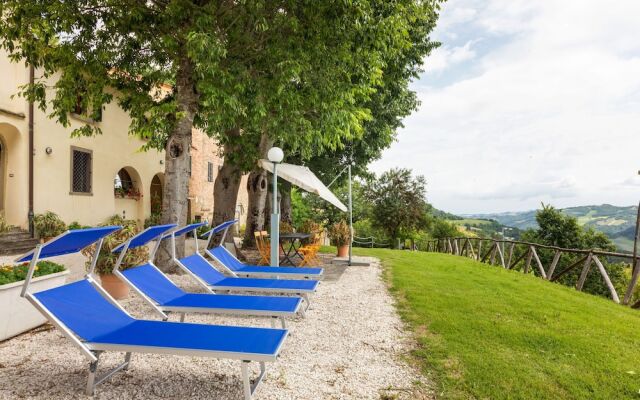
x: 488, y: 333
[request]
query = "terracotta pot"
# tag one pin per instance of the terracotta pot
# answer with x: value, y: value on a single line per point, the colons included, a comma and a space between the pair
x: 343, y: 251
x: 114, y: 286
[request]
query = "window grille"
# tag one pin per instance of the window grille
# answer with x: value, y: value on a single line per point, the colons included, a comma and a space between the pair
x: 81, y: 171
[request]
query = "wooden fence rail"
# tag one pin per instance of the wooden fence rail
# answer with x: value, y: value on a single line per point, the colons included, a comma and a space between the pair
x: 502, y: 253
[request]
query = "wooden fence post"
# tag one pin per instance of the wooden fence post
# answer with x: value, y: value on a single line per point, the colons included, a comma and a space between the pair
x: 501, y: 255
x: 634, y: 281
x: 554, y: 264
x: 493, y: 253
x: 540, y: 267
x: 473, y: 253
x: 513, y: 244
x: 607, y: 280
x: 585, y: 272
x: 528, y: 263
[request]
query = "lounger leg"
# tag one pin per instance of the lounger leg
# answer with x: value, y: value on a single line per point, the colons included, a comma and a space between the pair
x: 273, y: 322
x: 93, y: 368
x: 250, y: 389
x: 246, y: 383
x: 182, y: 316
x: 306, y: 297
x: 92, y: 382
x: 283, y: 322
x: 127, y: 361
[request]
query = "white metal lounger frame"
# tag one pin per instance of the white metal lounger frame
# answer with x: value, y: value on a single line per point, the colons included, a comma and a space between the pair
x: 163, y: 311
x: 92, y: 351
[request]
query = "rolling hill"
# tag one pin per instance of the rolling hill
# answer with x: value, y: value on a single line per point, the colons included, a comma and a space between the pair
x: 616, y: 222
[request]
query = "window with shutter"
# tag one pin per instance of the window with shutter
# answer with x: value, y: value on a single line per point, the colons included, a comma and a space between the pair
x: 210, y: 172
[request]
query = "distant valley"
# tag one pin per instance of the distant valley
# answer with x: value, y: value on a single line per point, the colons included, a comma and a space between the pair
x: 616, y: 222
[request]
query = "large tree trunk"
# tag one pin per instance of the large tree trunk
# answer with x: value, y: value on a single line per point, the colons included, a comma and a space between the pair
x: 176, y: 181
x: 258, y: 189
x: 225, y: 188
x: 285, y: 203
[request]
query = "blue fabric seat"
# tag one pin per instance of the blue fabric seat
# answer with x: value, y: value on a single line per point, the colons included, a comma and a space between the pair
x: 227, y: 259
x: 160, y: 289
x: 89, y: 315
x: 231, y: 339
x: 200, y: 267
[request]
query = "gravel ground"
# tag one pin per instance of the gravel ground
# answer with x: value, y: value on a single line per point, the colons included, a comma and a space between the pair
x: 351, y: 345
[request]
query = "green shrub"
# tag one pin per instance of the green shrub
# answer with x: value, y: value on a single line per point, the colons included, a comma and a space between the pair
x: 16, y: 273
x: 153, y: 220
x: 4, y: 226
x: 107, y: 259
x: 48, y: 225
x: 76, y: 225
x: 202, y: 230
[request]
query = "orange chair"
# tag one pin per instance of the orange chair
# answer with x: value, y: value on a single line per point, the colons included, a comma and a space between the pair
x: 310, y: 251
x: 263, y: 247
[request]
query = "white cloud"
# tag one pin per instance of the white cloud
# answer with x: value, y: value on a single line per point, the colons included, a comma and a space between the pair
x: 547, y: 112
x: 445, y: 57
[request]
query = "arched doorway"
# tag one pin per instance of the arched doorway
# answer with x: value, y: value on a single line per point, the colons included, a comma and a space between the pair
x: 156, y: 194
x: 127, y: 191
x: 14, y: 176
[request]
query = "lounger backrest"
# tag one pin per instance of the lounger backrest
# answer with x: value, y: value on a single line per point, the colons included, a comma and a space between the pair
x: 221, y: 254
x: 83, y: 309
x: 153, y: 283
x: 201, y: 268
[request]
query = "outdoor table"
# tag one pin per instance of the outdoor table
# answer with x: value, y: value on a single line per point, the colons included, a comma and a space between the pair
x: 295, y: 242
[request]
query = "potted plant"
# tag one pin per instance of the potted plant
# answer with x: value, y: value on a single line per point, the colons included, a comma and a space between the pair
x: 48, y: 225
x: 107, y: 260
x: 340, y: 236
x: 17, y: 315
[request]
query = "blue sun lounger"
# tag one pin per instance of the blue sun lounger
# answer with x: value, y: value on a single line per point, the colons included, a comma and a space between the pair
x: 165, y: 297
x: 95, y: 322
x: 236, y: 268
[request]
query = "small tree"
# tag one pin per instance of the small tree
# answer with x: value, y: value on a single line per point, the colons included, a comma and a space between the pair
x: 398, y: 202
x: 558, y: 229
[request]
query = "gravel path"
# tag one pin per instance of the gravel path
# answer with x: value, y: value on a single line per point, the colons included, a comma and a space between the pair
x: 350, y: 346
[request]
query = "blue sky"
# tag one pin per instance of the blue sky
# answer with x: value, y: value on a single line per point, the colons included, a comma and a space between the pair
x: 527, y: 102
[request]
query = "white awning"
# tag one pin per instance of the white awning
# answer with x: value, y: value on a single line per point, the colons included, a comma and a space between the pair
x: 302, y: 177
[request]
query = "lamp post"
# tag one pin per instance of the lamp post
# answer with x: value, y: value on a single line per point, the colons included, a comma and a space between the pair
x: 275, y: 155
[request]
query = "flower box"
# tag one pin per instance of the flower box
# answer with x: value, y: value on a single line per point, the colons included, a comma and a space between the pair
x: 17, y: 314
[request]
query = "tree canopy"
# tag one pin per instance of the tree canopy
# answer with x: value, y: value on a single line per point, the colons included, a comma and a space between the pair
x: 309, y: 74
x: 399, y: 202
